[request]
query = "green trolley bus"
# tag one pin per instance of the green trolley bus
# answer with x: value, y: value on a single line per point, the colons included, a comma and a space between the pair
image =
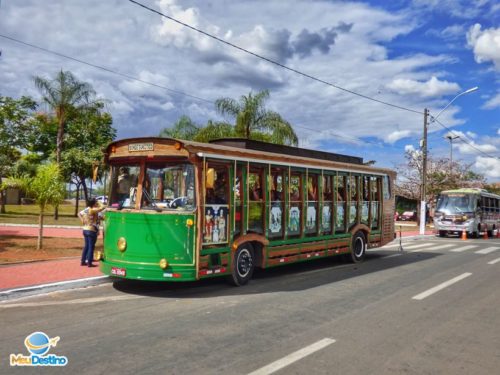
x: 183, y: 211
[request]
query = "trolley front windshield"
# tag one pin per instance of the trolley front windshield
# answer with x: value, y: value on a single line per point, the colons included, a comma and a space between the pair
x: 166, y: 186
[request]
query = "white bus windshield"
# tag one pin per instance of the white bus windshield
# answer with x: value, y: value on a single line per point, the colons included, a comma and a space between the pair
x: 450, y: 204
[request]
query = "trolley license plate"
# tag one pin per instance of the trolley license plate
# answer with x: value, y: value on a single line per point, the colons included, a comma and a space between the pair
x: 118, y: 271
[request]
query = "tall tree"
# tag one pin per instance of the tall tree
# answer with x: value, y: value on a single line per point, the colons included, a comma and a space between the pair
x: 14, y: 119
x: 252, y: 118
x: 87, y: 134
x: 65, y: 95
x: 184, y: 128
x: 215, y: 130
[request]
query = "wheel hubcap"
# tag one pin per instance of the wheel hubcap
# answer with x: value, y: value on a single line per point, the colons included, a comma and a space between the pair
x: 359, y: 247
x: 244, y: 263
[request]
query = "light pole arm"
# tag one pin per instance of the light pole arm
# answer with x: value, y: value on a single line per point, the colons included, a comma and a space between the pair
x: 455, y: 98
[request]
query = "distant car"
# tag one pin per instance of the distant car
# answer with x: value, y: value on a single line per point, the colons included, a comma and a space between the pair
x: 102, y: 199
x: 396, y: 216
x: 408, y: 216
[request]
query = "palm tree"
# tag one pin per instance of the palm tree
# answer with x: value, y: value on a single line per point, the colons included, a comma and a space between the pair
x: 253, y: 121
x: 184, y: 128
x: 215, y: 130
x: 64, y: 94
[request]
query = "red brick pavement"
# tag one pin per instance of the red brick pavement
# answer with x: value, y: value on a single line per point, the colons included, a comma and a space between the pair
x: 73, y: 232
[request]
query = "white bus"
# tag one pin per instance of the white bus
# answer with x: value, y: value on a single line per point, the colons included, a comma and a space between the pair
x: 473, y: 210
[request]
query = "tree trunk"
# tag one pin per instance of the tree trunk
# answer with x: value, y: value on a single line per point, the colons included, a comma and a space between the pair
x: 3, y: 198
x: 40, y: 230
x: 77, y: 199
x: 59, y: 145
x: 84, y: 186
x: 60, y: 135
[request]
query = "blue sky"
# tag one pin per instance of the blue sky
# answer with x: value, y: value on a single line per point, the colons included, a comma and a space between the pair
x: 414, y: 54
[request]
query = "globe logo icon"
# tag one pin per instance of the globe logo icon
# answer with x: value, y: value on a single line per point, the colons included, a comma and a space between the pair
x: 38, y: 343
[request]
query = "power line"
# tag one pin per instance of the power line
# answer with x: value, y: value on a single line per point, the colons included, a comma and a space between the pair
x: 464, y: 140
x: 157, y: 85
x: 349, y: 138
x: 105, y: 69
x: 272, y: 61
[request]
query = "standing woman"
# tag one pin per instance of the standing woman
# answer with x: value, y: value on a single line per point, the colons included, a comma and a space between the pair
x: 90, y: 218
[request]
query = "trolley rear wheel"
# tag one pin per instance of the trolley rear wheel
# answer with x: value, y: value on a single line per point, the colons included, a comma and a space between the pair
x: 358, y: 248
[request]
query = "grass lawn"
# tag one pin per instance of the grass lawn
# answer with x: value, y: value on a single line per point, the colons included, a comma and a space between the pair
x: 28, y: 214
x: 18, y: 249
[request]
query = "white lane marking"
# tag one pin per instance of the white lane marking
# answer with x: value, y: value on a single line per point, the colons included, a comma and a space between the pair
x: 69, y: 302
x: 487, y: 250
x: 440, y: 247
x: 418, y: 246
x: 494, y: 261
x: 294, y: 357
x: 439, y: 287
x: 463, y: 248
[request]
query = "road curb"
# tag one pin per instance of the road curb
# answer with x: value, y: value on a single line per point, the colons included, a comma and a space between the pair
x: 10, y: 294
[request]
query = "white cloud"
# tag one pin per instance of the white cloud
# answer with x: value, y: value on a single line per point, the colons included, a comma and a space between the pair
x: 492, y: 103
x: 452, y: 32
x: 490, y: 167
x: 472, y: 147
x: 485, y: 44
x: 128, y: 39
x: 431, y: 88
x: 172, y: 33
x: 464, y: 9
x: 397, y: 135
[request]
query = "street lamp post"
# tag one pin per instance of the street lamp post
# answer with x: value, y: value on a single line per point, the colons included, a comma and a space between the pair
x: 423, y: 205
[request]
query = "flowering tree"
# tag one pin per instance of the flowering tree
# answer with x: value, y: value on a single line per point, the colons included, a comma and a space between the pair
x: 441, y: 175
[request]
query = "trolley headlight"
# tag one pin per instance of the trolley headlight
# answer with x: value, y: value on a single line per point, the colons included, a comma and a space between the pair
x: 122, y: 244
x: 163, y: 263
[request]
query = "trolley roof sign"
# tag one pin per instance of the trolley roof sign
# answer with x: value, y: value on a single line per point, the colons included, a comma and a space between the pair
x: 136, y: 147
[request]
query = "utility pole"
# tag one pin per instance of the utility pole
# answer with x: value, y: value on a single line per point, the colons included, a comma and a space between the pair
x: 423, y: 192
x: 451, y: 138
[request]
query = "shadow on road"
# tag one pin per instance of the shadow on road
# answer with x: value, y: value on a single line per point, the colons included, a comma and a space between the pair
x: 289, y: 278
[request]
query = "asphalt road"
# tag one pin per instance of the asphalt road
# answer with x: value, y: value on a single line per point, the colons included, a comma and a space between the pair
x: 433, y: 309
